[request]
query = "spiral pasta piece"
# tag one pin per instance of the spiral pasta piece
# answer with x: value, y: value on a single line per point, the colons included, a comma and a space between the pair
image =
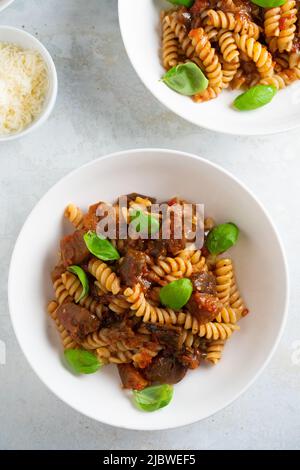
x: 209, y: 94
x: 181, y: 34
x: 214, y: 351
x: 223, y: 273
x: 61, y: 293
x: 229, y: 21
x: 212, y: 330
x: 236, y: 301
x: 74, y: 288
x: 227, y: 315
x: 293, y: 60
x: 287, y: 26
x: 208, y: 57
x: 271, y: 22
x: 189, y: 340
x: 238, y: 80
x: 67, y: 341
x: 282, y: 61
x: 173, y: 268
x: 282, y: 79
x: 169, y: 45
x: 229, y: 72
x: 257, y: 52
x: 108, y: 357
x: 119, y: 305
x: 74, y: 215
x: 104, y: 275
x: 228, y: 46
x: 149, y: 313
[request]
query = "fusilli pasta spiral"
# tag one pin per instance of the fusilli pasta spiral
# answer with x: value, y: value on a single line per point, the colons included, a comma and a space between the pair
x: 287, y: 26
x: 224, y: 273
x: 229, y: 21
x: 74, y: 215
x: 172, y: 268
x: 104, y: 275
x: 169, y: 45
x: 208, y: 57
x: 258, y: 53
x: 74, y: 288
x: 214, y: 351
x: 67, y: 341
x: 271, y: 22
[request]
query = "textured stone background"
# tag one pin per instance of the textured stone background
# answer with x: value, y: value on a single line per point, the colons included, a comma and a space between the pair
x: 102, y: 107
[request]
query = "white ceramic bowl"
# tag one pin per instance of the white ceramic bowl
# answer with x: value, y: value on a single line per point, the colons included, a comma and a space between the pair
x: 259, y: 260
x: 5, y: 3
x: 26, y: 40
x: 139, y: 23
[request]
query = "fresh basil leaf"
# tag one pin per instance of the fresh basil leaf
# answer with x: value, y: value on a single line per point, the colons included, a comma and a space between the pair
x: 221, y: 238
x: 255, y: 97
x: 82, y: 361
x: 100, y: 247
x: 153, y: 398
x: 176, y: 294
x: 269, y: 3
x: 144, y: 222
x: 187, y: 79
x: 81, y: 274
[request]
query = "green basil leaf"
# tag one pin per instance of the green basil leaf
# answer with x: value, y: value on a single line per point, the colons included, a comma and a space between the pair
x: 176, y: 294
x: 221, y: 238
x: 255, y: 97
x: 100, y: 247
x: 144, y: 222
x: 153, y: 398
x: 269, y: 3
x: 82, y: 276
x: 185, y: 3
x: 187, y: 79
x: 82, y: 361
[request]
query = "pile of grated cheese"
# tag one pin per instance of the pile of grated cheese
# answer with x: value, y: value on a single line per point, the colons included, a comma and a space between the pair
x: 23, y: 87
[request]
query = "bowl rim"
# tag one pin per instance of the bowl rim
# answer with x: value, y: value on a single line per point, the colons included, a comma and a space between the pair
x: 5, y: 4
x: 52, y: 75
x: 123, y: 154
x: 247, y: 132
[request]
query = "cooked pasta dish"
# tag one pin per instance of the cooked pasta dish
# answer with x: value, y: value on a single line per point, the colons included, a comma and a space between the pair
x: 236, y: 44
x: 153, y: 305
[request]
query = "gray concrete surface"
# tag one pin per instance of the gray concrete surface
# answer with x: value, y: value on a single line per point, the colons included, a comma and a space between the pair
x: 103, y: 107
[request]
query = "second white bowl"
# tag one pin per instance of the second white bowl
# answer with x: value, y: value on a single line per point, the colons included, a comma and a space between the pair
x: 140, y: 28
x: 27, y: 41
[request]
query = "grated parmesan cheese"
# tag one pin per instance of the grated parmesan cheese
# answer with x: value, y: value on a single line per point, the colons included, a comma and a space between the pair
x: 23, y: 87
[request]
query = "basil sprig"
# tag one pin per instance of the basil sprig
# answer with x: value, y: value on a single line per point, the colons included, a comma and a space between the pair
x: 187, y: 79
x: 221, y: 238
x: 185, y: 3
x: 153, y: 398
x: 269, y: 3
x: 143, y: 222
x: 255, y: 97
x: 100, y: 247
x: 82, y: 361
x: 81, y: 274
x: 176, y: 294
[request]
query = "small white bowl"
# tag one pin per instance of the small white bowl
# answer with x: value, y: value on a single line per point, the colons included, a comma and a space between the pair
x: 261, y: 272
x: 27, y: 41
x: 5, y: 3
x: 140, y: 28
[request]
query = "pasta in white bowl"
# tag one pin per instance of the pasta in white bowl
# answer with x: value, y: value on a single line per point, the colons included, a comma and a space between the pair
x: 256, y: 52
x: 261, y: 275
